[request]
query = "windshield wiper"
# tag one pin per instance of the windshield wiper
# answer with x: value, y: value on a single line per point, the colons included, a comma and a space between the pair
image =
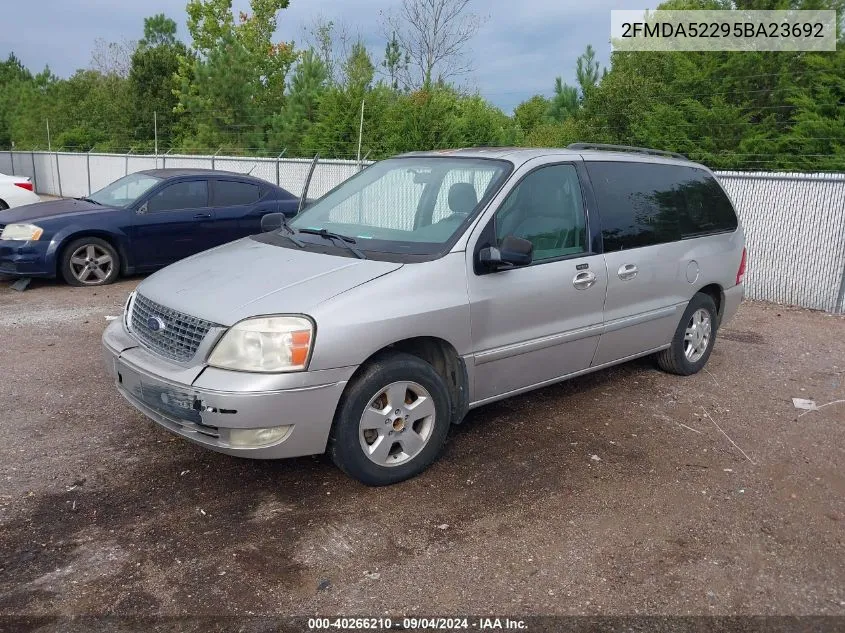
x: 89, y: 200
x: 291, y: 232
x: 348, y: 242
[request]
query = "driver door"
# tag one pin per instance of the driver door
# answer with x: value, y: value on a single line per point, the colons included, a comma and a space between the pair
x: 175, y: 222
x: 533, y: 324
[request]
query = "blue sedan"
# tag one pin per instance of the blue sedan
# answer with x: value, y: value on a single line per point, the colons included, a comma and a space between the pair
x: 139, y: 223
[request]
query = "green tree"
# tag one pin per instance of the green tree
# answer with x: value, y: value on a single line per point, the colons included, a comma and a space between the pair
x: 159, y: 30
x: 308, y: 85
x: 337, y: 128
x: 14, y: 76
x: 531, y: 113
x: 482, y: 124
x: 233, y: 84
x: 152, y: 81
x: 91, y: 110
x: 358, y: 69
x: 587, y: 71
x: 564, y: 103
x: 395, y: 62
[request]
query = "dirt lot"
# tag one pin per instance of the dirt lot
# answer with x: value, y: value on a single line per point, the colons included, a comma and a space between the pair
x: 614, y: 493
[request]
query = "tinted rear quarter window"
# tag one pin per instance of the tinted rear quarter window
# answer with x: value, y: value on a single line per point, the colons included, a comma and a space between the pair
x: 642, y: 204
x: 708, y: 209
x: 230, y: 193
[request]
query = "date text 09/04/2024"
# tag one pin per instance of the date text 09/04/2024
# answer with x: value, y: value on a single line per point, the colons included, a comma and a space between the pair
x: 416, y: 623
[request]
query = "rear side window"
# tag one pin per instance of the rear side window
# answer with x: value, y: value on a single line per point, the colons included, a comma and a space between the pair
x: 189, y: 194
x: 229, y: 193
x: 708, y: 209
x: 642, y: 204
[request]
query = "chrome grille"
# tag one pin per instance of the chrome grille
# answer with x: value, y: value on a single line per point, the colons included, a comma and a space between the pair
x: 182, y: 333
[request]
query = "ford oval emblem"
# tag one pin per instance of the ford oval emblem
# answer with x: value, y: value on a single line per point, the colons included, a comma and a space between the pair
x: 154, y: 324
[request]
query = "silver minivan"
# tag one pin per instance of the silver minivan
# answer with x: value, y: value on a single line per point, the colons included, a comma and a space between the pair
x: 425, y: 286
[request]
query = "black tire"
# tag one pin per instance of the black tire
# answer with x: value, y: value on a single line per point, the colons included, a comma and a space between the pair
x: 3, y: 205
x: 68, y: 268
x: 674, y: 359
x: 345, y: 440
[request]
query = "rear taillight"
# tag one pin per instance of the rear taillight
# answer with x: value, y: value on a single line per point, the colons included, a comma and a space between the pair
x: 24, y: 185
x: 740, y: 274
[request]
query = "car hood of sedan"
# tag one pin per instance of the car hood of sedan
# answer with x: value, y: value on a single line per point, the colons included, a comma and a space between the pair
x: 248, y: 278
x: 49, y: 210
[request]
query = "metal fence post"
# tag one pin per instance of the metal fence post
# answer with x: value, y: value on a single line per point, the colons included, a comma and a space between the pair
x: 362, y: 161
x: 12, y: 159
x: 278, y: 160
x: 840, y: 298
x: 59, y: 174
x: 164, y: 159
x: 126, y: 165
x: 34, y: 173
x: 213, y: 156
x: 88, y: 168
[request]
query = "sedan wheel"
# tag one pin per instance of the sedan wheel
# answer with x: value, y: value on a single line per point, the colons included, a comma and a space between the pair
x: 91, y: 264
x: 90, y: 261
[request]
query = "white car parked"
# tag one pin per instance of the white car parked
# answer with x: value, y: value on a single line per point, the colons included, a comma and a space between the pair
x: 16, y: 191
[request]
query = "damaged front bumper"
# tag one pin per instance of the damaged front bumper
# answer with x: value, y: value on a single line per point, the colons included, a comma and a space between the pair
x: 290, y: 415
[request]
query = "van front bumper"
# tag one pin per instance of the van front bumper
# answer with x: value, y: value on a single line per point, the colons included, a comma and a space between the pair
x: 212, y: 407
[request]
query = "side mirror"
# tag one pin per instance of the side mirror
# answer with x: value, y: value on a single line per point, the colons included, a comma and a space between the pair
x: 272, y: 222
x: 143, y: 209
x: 512, y: 252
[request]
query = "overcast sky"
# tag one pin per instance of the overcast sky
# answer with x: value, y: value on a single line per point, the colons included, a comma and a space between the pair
x: 518, y: 52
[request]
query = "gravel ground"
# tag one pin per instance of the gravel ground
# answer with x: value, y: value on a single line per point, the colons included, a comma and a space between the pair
x: 616, y: 493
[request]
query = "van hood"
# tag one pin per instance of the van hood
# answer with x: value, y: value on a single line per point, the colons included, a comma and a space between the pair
x: 247, y: 278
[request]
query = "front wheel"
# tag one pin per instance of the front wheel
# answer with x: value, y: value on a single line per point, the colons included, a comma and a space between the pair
x: 694, y: 338
x: 90, y: 261
x: 391, y: 422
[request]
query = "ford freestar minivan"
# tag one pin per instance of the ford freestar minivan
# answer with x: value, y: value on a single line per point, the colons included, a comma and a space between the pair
x: 427, y: 285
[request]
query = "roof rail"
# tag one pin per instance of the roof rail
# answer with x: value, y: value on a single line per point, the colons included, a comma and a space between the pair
x: 625, y: 148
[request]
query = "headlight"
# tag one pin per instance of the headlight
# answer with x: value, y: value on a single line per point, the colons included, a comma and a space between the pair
x: 23, y: 232
x: 127, y: 310
x: 265, y: 344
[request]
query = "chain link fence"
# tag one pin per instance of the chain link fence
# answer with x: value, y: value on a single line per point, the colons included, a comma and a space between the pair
x: 795, y: 223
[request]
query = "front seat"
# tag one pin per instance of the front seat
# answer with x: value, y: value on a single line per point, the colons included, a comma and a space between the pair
x: 462, y: 199
x: 541, y: 218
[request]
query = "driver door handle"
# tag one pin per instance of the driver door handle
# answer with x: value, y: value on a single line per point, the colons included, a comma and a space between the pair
x: 584, y: 280
x: 202, y: 216
x: 627, y: 272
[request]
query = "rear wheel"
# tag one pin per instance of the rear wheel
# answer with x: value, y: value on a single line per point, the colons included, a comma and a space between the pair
x: 391, y: 422
x: 694, y: 338
x: 3, y: 205
x: 90, y: 261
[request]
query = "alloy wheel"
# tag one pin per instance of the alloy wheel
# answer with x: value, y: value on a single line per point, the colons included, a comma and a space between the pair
x: 91, y: 264
x: 698, y: 334
x: 397, y: 423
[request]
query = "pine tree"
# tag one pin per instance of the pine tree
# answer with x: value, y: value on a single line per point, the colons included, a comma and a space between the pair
x: 302, y: 106
x: 395, y: 63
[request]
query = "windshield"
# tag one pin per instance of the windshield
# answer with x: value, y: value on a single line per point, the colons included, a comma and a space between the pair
x: 406, y: 205
x: 123, y: 192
